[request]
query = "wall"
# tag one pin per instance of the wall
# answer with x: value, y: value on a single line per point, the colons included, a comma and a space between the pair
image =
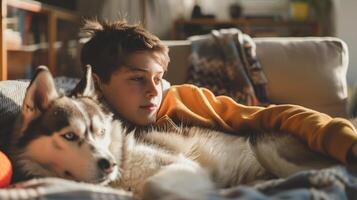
x: 161, y: 17
x: 160, y: 14
x: 346, y: 29
x: 251, y: 7
x: 111, y: 9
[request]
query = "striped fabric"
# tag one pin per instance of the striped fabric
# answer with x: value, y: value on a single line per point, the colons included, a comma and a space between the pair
x: 57, y: 189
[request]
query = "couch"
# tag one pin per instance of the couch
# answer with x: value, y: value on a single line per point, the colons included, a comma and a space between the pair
x: 306, y: 71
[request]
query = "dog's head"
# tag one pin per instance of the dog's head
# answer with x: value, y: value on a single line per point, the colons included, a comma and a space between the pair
x: 68, y: 137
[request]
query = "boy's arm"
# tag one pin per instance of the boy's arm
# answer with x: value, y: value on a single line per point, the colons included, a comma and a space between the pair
x: 197, y: 106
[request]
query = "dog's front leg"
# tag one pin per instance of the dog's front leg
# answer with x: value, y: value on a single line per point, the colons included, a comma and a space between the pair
x: 178, y: 181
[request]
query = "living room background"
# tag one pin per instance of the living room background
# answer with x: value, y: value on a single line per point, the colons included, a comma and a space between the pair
x: 159, y: 17
x: 342, y: 24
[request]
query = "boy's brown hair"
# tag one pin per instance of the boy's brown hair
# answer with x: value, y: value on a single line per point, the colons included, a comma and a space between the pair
x: 110, y: 44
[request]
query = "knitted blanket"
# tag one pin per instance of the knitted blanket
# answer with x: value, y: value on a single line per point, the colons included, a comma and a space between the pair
x: 225, y: 62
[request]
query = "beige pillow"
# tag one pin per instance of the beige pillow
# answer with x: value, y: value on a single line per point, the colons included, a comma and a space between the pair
x: 306, y: 71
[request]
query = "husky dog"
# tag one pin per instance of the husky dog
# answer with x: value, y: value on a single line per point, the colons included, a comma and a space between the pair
x: 77, y: 138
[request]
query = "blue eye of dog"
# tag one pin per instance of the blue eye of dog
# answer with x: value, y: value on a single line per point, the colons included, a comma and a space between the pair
x: 70, y: 136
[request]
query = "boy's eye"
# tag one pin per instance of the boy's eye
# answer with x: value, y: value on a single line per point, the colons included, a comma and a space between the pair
x: 139, y: 79
x: 70, y: 136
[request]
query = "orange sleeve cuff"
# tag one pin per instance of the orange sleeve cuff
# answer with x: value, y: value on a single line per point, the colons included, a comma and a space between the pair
x: 337, y: 144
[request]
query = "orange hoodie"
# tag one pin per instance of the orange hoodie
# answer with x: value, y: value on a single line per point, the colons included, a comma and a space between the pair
x: 191, y: 105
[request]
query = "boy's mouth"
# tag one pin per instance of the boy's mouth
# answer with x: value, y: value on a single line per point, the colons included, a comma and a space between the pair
x: 149, y: 107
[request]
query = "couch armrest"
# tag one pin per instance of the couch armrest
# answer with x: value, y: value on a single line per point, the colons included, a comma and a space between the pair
x: 308, y: 71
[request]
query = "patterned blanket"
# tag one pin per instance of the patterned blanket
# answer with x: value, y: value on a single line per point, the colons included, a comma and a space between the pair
x: 225, y: 62
x: 333, y: 183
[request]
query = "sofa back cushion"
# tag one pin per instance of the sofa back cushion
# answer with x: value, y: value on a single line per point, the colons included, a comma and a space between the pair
x: 306, y: 71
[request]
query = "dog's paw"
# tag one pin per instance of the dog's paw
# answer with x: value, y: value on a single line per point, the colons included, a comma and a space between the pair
x: 178, y: 183
x: 153, y: 190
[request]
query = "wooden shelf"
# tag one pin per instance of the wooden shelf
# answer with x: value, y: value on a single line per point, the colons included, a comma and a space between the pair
x: 53, y: 14
x: 34, y: 47
x: 37, y: 7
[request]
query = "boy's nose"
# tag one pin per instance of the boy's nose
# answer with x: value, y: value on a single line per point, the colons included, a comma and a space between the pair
x: 153, y: 89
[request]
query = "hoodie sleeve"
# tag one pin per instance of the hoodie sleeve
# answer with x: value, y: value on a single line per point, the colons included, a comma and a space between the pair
x: 198, y: 106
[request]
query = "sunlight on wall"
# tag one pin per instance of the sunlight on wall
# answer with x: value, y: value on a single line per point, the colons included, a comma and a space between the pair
x: 346, y: 30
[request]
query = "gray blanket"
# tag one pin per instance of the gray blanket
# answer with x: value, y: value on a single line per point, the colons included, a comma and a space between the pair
x: 334, y: 183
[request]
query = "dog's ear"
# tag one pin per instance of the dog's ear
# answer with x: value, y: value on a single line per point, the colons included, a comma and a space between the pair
x: 39, y: 94
x: 86, y: 86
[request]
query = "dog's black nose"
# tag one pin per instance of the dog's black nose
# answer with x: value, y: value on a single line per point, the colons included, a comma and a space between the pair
x: 106, y: 165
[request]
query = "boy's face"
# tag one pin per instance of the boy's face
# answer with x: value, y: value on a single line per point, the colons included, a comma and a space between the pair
x: 135, y: 90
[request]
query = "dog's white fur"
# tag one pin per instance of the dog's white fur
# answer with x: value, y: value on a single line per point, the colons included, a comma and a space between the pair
x: 184, y: 164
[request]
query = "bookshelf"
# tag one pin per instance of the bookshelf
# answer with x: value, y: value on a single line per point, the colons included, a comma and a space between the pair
x: 22, y: 51
x: 254, y: 27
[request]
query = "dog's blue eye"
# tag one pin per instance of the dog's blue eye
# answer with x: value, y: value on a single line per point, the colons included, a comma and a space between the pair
x: 70, y: 136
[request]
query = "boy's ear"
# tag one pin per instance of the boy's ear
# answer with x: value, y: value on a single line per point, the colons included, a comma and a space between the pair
x: 39, y: 94
x: 97, y: 84
x: 86, y: 86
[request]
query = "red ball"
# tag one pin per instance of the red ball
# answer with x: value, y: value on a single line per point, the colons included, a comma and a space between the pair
x: 5, y: 170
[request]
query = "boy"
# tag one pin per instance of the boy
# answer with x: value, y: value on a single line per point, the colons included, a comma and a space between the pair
x: 128, y: 64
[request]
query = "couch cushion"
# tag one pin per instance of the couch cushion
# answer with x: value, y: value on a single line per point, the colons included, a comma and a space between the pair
x: 306, y: 71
